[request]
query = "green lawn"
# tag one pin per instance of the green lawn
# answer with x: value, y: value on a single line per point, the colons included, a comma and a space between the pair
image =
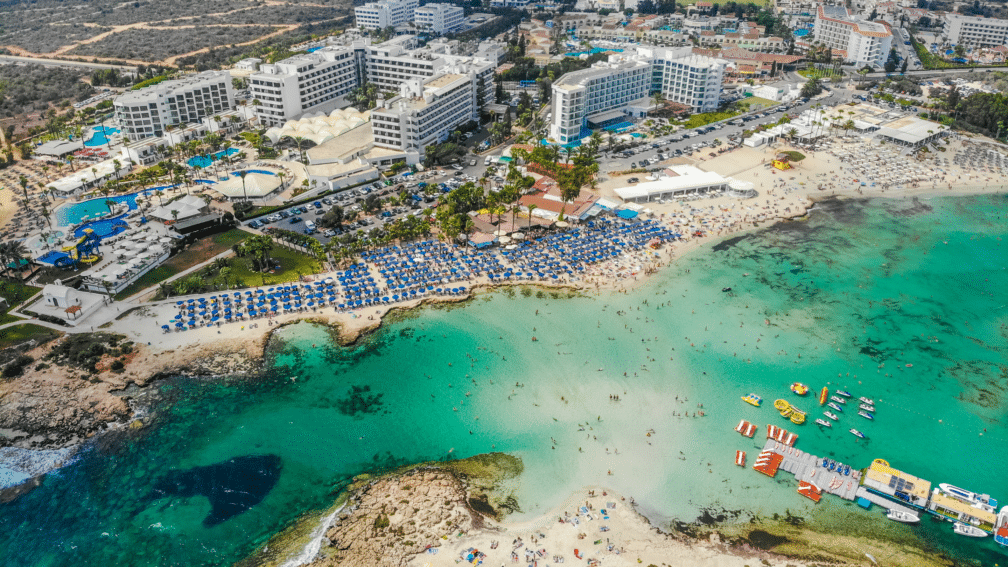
x: 197, y: 253
x: 293, y: 265
x: 818, y: 73
x: 14, y: 292
x: 795, y: 156
x: 758, y: 103
x: 706, y: 118
x: 18, y: 333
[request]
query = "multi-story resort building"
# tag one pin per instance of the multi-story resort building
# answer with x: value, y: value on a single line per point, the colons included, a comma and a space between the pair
x: 284, y: 90
x: 441, y: 18
x: 610, y: 90
x: 975, y: 32
x: 151, y: 110
x: 378, y: 15
x: 427, y: 110
x: 320, y: 80
x: 859, y: 41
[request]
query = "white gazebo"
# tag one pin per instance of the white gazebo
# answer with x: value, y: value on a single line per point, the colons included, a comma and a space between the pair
x: 258, y: 187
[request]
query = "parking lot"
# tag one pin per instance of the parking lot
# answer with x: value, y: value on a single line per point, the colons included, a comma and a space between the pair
x: 423, y: 190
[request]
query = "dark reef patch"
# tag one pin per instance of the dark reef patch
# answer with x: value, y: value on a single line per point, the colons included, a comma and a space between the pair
x: 232, y: 487
x: 359, y: 400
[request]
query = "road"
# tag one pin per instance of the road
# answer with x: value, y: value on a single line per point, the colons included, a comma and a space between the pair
x: 15, y: 59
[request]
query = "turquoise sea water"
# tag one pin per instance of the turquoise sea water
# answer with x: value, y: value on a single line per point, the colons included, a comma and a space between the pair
x: 846, y: 298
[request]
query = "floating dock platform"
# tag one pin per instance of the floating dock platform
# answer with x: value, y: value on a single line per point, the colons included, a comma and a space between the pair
x: 863, y: 492
x: 808, y: 468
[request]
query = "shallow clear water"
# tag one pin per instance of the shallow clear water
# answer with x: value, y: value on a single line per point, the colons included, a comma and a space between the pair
x: 861, y: 288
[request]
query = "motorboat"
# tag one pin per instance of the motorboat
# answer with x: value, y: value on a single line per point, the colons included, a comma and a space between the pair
x: 982, y: 501
x: 843, y: 393
x: 866, y: 415
x: 866, y: 407
x: 799, y: 388
x: 822, y: 395
x: 838, y: 399
x: 823, y: 422
x: 868, y: 401
x: 968, y: 530
x: 901, y: 516
x: 832, y: 416
x: 835, y: 406
x: 1001, y: 528
x: 752, y: 399
x: 857, y: 433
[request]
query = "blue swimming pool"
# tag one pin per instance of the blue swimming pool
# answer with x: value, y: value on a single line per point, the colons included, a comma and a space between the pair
x: 591, y: 51
x: 204, y: 161
x: 262, y: 171
x: 99, y: 136
x: 52, y: 256
x: 103, y: 228
x: 619, y: 127
x: 72, y: 213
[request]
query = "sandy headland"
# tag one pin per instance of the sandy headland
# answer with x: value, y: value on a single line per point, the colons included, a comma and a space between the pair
x: 456, y: 512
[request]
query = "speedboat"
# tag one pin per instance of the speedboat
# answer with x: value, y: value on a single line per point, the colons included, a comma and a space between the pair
x: 834, y: 406
x: 866, y: 407
x: 823, y: 422
x: 752, y: 399
x: 868, y: 401
x: 825, y: 462
x: 866, y: 415
x: 838, y: 399
x: 843, y: 393
x: 982, y: 501
x: 831, y: 466
x: 857, y: 433
x: 901, y: 516
x: 832, y: 416
x: 968, y: 530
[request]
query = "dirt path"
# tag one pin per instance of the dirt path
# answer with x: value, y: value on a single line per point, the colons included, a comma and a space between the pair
x: 166, y: 24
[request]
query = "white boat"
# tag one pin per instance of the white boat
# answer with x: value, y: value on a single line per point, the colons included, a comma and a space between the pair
x: 867, y: 407
x: 843, y: 393
x: 832, y: 416
x: 901, y: 516
x: 968, y: 530
x: 823, y: 422
x: 982, y: 501
x: 867, y: 400
x: 857, y: 433
x: 1001, y: 530
x: 866, y: 415
x: 834, y: 406
x: 838, y: 399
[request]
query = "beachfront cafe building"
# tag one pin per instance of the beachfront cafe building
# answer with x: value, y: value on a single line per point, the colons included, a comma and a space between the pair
x: 680, y: 181
x: 910, y: 131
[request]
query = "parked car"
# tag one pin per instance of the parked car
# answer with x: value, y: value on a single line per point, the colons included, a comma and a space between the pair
x: 295, y: 220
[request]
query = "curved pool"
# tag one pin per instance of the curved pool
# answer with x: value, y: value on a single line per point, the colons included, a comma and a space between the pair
x: 99, y: 136
x: 69, y: 214
x: 263, y: 171
x: 206, y: 161
x: 103, y: 228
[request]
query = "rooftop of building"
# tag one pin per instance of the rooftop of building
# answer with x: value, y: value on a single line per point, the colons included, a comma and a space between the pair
x: 170, y: 85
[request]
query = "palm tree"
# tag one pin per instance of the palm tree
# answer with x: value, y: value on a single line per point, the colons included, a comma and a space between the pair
x: 242, y: 174
x: 24, y: 187
x: 174, y: 214
x: 116, y: 165
x: 531, y: 208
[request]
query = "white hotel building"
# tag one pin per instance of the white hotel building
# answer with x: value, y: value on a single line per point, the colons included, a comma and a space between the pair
x: 151, y: 110
x: 975, y: 32
x: 441, y: 18
x: 284, y: 90
x: 378, y: 15
x: 862, y: 42
x: 427, y: 110
x: 610, y: 90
